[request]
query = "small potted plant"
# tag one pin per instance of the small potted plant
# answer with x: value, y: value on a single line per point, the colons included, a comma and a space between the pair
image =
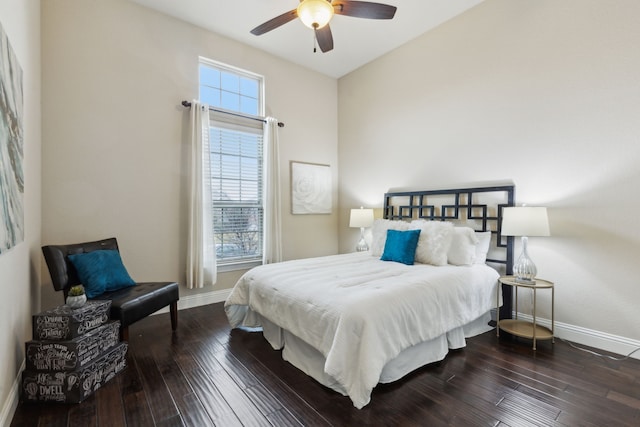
x: 76, y: 297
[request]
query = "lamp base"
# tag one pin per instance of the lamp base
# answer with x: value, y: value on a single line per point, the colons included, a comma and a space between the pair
x: 524, y: 269
x: 362, y: 244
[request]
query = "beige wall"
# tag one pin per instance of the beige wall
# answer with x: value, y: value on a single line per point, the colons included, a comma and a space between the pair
x: 114, y: 144
x: 20, y: 266
x: 543, y: 93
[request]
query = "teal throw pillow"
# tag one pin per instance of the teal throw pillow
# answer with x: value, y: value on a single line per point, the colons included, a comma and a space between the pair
x: 400, y: 246
x: 101, y: 271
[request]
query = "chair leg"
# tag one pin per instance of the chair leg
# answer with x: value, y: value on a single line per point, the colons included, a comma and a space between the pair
x: 173, y: 308
x: 124, y: 333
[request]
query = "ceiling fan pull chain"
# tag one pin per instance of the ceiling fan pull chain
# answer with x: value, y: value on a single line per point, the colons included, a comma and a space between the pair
x: 315, y: 40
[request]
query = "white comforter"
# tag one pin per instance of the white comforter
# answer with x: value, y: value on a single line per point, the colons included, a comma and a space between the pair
x: 360, y: 312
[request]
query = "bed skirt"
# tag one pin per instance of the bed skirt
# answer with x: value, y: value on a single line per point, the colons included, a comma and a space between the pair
x: 311, y: 361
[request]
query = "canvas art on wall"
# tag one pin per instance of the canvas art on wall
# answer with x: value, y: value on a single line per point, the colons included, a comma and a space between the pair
x: 11, y: 147
x: 310, y: 188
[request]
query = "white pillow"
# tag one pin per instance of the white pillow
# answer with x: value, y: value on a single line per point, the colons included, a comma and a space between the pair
x: 463, y: 246
x: 434, y: 241
x: 379, y: 233
x: 482, y: 247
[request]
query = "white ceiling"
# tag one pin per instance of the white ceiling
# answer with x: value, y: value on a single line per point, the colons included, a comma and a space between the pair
x: 356, y: 41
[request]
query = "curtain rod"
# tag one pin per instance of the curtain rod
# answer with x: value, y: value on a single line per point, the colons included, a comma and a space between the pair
x: 188, y: 104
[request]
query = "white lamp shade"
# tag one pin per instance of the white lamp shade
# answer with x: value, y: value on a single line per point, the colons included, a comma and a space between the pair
x: 361, y: 218
x: 315, y: 13
x: 525, y: 221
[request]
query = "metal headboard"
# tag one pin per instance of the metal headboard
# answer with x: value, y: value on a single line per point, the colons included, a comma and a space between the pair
x: 462, y: 205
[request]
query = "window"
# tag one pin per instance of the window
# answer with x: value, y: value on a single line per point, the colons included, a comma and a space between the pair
x: 236, y: 158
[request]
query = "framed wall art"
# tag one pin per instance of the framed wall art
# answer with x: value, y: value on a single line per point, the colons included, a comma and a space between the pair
x: 11, y: 147
x: 310, y: 188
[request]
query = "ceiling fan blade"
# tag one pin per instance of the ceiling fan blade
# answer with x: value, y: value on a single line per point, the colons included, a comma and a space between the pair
x: 275, y: 22
x: 325, y: 38
x: 364, y: 9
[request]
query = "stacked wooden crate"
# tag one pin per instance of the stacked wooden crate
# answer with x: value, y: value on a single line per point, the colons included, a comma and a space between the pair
x: 72, y: 354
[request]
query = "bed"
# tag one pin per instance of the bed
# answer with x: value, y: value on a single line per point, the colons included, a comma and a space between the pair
x: 352, y: 321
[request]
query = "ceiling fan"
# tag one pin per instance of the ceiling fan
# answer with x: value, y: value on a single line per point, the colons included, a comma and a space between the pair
x: 316, y: 15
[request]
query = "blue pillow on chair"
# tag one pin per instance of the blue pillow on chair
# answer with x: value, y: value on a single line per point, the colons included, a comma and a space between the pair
x: 400, y: 246
x: 101, y: 271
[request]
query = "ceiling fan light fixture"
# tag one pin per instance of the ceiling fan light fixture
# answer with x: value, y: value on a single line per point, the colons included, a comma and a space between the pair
x: 315, y: 14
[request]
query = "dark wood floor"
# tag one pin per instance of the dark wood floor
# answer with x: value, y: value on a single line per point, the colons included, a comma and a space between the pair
x: 206, y: 375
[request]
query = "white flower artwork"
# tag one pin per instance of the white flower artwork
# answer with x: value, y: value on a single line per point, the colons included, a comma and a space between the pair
x: 11, y: 147
x: 310, y: 188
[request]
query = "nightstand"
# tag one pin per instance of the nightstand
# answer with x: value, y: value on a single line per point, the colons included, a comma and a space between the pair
x: 523, y: 328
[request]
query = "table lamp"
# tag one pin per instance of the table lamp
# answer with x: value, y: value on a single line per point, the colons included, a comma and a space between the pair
x: 525, y: 221
x: 361, y: 218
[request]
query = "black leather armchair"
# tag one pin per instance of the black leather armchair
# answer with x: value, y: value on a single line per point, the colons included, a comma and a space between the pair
x: 127, y: 305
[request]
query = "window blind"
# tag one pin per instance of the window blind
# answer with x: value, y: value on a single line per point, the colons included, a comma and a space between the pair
x: 236, y: 150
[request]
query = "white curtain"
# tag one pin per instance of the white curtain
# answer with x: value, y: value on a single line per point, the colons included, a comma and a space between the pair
x: 201, y: 254
x: 272, y: 251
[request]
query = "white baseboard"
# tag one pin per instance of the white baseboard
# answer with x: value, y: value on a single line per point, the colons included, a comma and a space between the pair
x: 592, y: 338
x: 10, y: 405
x: 576, y: 334
x: 191, y: 301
